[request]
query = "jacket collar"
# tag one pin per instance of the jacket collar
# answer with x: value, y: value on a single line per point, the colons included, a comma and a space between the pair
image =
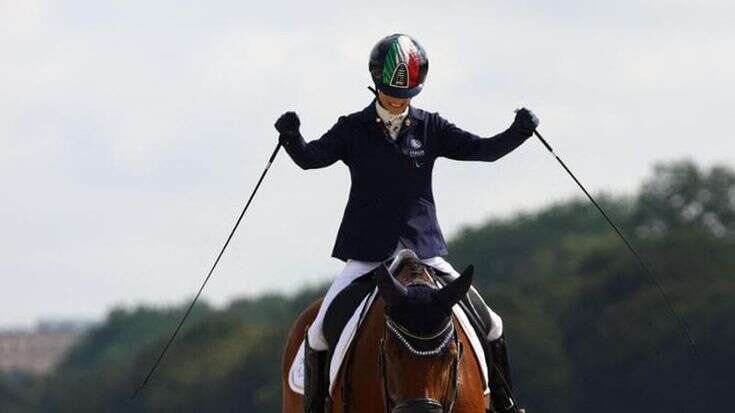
x: 370, y: 115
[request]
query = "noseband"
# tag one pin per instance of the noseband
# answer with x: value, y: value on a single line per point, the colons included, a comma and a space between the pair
x: 446, y: 335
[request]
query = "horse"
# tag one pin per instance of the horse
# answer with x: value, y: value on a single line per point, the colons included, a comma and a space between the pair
x: 409, y: 356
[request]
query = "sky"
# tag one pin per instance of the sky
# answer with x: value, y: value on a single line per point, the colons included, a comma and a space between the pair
x: 131, y: 133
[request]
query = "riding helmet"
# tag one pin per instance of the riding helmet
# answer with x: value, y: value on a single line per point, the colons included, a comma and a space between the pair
x: 398, y: 66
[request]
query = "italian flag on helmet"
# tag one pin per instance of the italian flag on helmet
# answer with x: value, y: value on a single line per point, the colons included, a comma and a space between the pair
x: 398, y: 66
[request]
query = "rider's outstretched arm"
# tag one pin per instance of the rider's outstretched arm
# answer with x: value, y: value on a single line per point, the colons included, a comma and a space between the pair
x: 318, y: 153
x: 455, y: 143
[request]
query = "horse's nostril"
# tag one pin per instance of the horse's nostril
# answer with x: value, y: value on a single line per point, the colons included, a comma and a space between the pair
x: 418, y: 406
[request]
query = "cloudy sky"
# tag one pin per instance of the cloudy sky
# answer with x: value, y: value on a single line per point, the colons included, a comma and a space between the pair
x: 132, y: 132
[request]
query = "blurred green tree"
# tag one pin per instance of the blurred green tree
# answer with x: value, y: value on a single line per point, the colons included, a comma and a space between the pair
x: 681, y: 195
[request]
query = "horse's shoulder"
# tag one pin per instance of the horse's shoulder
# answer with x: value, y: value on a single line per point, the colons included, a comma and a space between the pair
x: 296, y: 334
x: 304, y: 319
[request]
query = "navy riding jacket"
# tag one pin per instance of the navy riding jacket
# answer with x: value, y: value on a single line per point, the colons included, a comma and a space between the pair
x: 391, y: 196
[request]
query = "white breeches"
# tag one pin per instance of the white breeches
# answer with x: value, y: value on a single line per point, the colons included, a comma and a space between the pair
x: 354, y: 269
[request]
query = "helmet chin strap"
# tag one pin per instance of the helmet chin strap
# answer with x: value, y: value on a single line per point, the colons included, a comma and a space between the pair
x: 372, y: 89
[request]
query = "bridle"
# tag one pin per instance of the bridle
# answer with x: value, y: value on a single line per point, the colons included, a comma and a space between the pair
x: 445, y: 335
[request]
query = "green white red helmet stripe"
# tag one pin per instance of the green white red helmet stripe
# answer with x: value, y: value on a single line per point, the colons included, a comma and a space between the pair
x: 401, y: 66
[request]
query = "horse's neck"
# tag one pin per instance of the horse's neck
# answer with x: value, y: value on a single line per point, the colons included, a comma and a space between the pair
x: 367, y: 342
x: 362, y: 371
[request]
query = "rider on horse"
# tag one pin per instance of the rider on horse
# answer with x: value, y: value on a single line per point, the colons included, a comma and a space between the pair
x: 390, y: 148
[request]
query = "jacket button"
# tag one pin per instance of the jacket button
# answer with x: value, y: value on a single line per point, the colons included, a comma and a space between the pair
x: 408, y: 122
x: 377, y: 120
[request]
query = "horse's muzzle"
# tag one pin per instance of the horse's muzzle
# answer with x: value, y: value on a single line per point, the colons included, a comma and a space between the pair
x: 418, y: 406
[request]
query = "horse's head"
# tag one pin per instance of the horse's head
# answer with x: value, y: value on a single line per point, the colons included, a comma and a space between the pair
x: 420, y: 352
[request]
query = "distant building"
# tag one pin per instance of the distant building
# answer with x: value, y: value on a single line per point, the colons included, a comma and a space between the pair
x: 37, y: 352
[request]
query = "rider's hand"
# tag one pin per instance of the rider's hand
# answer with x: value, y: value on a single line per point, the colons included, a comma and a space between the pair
x: 288, y: 125
x: 525, y: 122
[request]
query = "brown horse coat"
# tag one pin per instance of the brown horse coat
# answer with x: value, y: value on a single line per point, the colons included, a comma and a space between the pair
x: 364, y: 373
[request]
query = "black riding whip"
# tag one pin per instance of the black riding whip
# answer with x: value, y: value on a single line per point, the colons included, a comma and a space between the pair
x: 216, y: 261
x: 692, y: 345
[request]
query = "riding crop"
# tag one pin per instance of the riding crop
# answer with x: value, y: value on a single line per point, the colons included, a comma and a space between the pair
x: 647, y: 270
x: 211, y: 270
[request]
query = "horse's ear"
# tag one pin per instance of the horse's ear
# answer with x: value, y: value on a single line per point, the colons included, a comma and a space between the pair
x: 455, y: 290
x: 391, y: 290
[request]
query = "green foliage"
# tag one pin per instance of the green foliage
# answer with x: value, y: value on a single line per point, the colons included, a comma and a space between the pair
x: 18, y: 393
x: 103, y: 359
x: 533, y: 246
x: 225, y: 365
x: 588, y: 329
x: 680, y: 195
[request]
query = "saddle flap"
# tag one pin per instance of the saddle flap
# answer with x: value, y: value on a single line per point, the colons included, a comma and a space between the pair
x: 339, y: 352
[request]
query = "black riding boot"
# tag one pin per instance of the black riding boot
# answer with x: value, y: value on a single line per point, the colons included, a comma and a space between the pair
x: 315, y: 379
x: 501, y: 385
x: 496, y: 355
